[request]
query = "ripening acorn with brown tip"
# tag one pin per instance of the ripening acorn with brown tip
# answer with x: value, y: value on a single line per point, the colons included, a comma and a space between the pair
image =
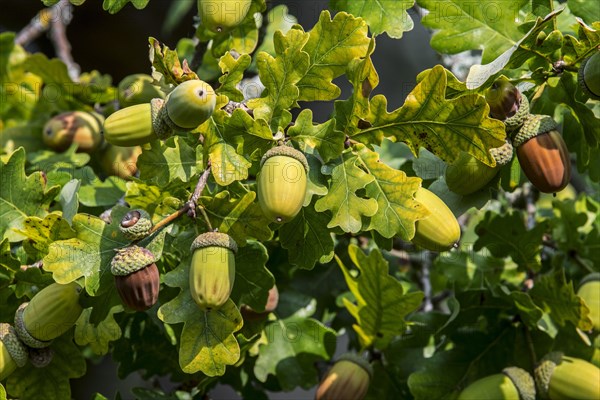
x: 136, y: 277
x: 79, y: 127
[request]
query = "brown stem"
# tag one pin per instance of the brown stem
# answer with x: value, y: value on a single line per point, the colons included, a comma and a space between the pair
x: 38, y: 25
x: 58, y: 33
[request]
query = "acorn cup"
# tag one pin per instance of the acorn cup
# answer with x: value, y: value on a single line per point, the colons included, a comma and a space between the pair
x: 138, y: 89
x: 136, y: 277
x: 212, y: 272
x: 79, y: 127
x: 136, y: 225
x: 120, y: 161
x: 543, y: 154
x: 559, y: 377
x: 189, y: 105
x: 348, y: 379
x: 588, y: 76
x: 589, y: 291
x: 440, y: 230
x: 48, y: 315
x: 282, y: 183
x: 467, y: 174
x: 223, y: 15
x: 512, y: 384
x: 13, y: 353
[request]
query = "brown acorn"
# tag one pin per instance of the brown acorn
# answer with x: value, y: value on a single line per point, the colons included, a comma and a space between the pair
x: 136, y: 277
x: 543, y: 154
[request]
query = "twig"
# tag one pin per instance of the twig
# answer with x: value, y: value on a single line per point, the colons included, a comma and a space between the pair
x: 37, y: 264
x: 199, y: 51
x: 58, y: 34
x: 234, y: 105
x: 529, y: 205
x: 425, y: 282
x: 38, y: 25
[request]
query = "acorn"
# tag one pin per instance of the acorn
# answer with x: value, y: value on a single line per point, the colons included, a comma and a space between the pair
x: 589, y: 76
x: 189, y: 105
x: 212, y: 272
x: 223, y: 15
x: 138, y: 89
x: 467, y: 174
x: 282, y: 183
x: 348, y: 379
x: 589, y: 291
x: 79, y: 127
x: 136, y: 277
x: 439, y: 231
x: 512, y: 384
x: 136, y: 125
x: 49, y: 314
x: 120, y: 161
x: 136, y: 225
x: 13, y: 353
x: 543, y: 154
x: 503, y: 98
x: 559, y: 377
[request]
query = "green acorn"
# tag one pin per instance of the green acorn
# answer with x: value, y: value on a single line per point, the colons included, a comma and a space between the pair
x: 13, y: 353
x: 589, y: 76
x: 512, y: 384
x: 589, y: 291
x: 136, y: 125
x: 543, y: 154
x: 80, y: 127
x: 120, y: 161
x: 49, y: 314
x: 138, y: 89
x: 282, y: 183
x: 559, y: 377
x: 440, y: 230
x: 212, y: 271
x: 348, y: 379
x: 467, y: 174
x: 136, y: 225
x: 189, y: 105
x: 136, y: 277
x: 223, y: 15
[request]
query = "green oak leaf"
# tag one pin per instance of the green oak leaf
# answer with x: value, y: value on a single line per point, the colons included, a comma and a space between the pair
x: 252, y: 279
x: 506, y: 235
x: 397, y: 210
x: 454, y: 87
x: 323, y: 137
x: 529, y: 312
x: 462, y: 25
x: 91, y: 88
x: 553, y: 294
x: 390, y: 17
x: 316, y: 182
x: 586, y: 10
x: 9, y: 265
x: 233, y: 73
x: 279, y: 19
x: 166, y: 161
x: 280, y: 76
x: 207, y: 343
x: 166, y: 62
x: 242, y: 39
x: 381, y: 304
x: 566, y: 225
x: 31, y: 281
x: 346, y: 206
x: 114, y: 6
x: 291, y: 348
x: 2, y: 392
x: 97, y: 336
x: 48, y: 160
x: 576, y: 49
x: 102, y: 193
x: 41, y: 232
x: 525, y: 48
x: 307, y: 239
x: 351, y: 113
x: 444, y: 127
x: 21, y: 196
x: 457, y: 203
x: 241, y: 218
x: 53, y: 381
x: 69, y: 199
x: 332, y: 44
x: 90, y: 252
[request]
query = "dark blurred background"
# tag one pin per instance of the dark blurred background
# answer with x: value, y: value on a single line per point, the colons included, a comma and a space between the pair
x: 118, y: 45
